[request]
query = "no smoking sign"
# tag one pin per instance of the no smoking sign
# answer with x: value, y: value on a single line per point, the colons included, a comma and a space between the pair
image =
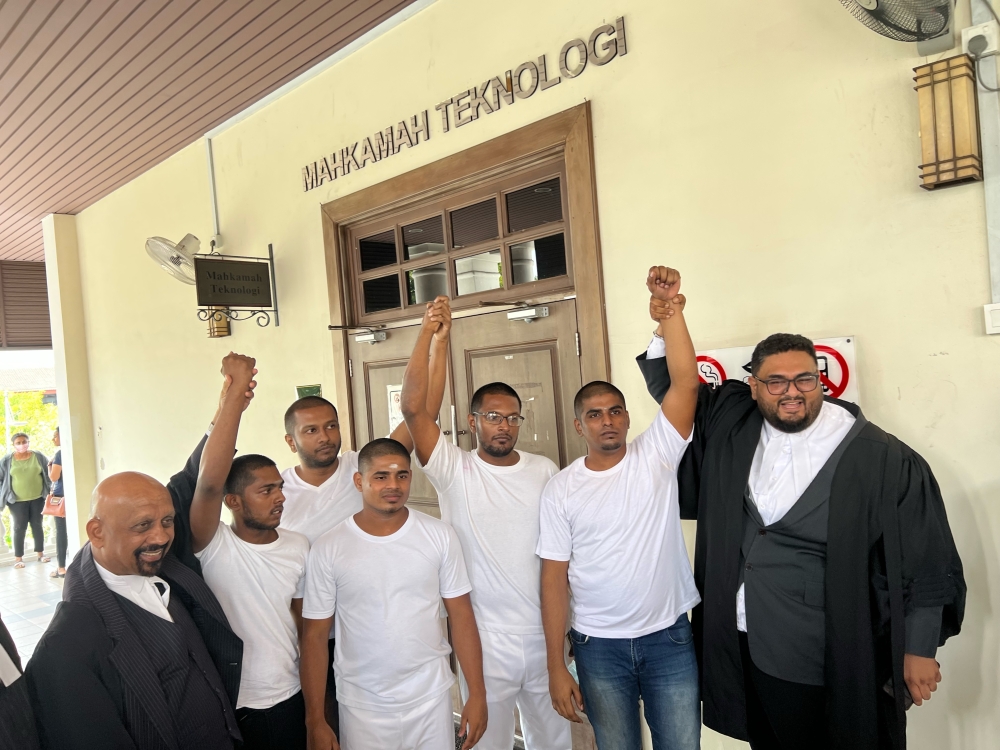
x: 836, y: 359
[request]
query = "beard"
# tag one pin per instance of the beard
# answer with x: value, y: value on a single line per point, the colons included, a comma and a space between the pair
x: 252, y: 522
x: 791, y: 426
x: 150, y: 568
x: 312, y: 461
x: 498, y: 451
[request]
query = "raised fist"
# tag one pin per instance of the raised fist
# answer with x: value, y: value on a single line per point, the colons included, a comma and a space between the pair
x: 239, y: 367
x: 663, y: 283
x: 437, y: 317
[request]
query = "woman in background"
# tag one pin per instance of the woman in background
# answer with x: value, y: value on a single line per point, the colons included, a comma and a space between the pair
x: 24, y: 483
x: 57, y: 497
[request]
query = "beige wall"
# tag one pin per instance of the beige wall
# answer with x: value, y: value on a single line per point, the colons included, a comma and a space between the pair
x: 768, y: 150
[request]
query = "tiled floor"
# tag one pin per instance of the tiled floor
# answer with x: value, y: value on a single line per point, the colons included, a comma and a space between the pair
x: 28, y: 599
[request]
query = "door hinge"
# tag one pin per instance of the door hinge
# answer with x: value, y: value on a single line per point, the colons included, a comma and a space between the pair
x: 350, y: 367
x: 578, y: 343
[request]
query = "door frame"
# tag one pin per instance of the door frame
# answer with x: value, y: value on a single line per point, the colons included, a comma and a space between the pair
x: 568, y: 132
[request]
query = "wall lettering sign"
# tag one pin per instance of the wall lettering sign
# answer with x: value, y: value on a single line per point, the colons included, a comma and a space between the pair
x: 603, y: 45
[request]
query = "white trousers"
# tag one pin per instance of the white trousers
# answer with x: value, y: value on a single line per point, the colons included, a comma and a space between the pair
x: 427, y: 726
x: 517, y: 675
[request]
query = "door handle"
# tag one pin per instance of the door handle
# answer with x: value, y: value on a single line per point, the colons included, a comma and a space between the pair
x: 454, y: 425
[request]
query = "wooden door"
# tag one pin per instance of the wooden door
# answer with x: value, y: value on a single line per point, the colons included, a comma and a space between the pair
x: 376, y: 382
x: 538, y: 359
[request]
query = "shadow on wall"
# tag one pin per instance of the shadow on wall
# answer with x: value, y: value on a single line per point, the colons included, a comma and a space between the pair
x: 971, y: 661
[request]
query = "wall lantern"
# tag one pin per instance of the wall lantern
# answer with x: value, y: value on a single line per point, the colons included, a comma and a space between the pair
x: 949, y: 123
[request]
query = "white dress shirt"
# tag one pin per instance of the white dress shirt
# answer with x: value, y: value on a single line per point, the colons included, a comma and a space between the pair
x: 785, y: 464
x: 140, y: 590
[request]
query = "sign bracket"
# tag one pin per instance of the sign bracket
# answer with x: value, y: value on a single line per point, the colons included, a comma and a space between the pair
x: 263, y: 316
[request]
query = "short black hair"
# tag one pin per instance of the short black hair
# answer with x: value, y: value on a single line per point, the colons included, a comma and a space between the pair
x: 306, y: 402
x: 493, y: 389
x: 594, y: 388
x: 779, y: 343
x: 17, y: 435
x: 380, y: 447
x: 241, y: 474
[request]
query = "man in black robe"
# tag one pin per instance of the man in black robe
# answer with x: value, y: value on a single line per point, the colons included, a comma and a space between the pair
x: 17, y: 721
x: 139, y: 654
x: 819, y: 620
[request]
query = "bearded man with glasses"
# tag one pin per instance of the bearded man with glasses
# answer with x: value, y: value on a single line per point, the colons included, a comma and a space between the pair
x: 826, y: 566
x: 491, y: 498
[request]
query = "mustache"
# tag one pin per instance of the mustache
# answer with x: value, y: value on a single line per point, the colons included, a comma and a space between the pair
x: 150, y: 548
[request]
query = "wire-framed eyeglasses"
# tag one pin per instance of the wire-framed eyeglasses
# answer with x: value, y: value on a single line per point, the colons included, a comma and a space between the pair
x: 779, y: 386
x: 495, y: 417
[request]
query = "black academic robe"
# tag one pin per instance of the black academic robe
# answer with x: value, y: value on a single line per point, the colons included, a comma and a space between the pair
x: 17, y: 721
x: 89, y: 678
x: 889, y: 552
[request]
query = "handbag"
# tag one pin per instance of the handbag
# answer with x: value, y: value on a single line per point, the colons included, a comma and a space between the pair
x: 54, y: 506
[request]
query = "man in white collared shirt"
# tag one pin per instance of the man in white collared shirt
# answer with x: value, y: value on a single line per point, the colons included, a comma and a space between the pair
x: 828, y: 573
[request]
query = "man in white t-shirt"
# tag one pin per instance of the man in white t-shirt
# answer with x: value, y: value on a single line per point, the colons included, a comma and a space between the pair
x: 385, y: 572
x: 610, y: 533
x: 255, y: 570
x: 320, y: 491
x: 491, y: 498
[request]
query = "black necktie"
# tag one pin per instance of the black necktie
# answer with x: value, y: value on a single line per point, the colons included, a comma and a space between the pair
x: 160, y: 587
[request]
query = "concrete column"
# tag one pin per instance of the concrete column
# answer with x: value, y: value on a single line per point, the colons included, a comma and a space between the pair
x: 69, y: 345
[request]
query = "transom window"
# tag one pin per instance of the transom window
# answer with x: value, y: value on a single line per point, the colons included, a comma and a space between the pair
x: 501, y: 240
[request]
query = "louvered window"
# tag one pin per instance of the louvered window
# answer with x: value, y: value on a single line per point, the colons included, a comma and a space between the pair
x: 24, y: 305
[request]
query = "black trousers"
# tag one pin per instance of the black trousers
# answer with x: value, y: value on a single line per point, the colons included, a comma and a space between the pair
x: 28, y: 513
x: 782, y: 715
x: 280, y: 727
x: 332, y: 707
x: 62, y: 540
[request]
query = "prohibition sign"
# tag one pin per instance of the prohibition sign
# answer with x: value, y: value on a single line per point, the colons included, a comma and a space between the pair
x: 835, y: 389
x: 707, y: 369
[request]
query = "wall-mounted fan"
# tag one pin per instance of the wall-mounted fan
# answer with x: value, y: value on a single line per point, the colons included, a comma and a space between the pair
x: 177, y: 259
x: 906, y: 20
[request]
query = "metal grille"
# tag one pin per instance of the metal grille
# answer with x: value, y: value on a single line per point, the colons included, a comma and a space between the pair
x: 474, y: 224
x: 533, y: 206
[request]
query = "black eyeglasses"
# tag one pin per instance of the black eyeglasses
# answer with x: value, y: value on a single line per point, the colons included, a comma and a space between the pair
x: 493, y: 417
x: 779, y: 386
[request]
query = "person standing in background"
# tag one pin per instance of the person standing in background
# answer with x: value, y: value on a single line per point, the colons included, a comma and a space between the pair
x: 57, y: 497
x: 24, y: 483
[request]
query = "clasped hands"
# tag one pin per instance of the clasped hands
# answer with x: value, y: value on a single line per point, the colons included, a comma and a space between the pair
x: 665, y: 299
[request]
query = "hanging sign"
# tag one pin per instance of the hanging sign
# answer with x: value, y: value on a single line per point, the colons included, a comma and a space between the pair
x: 234, y: 283
x: 836, y: 358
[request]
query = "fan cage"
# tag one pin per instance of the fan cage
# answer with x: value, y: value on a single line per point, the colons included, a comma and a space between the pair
x: 903, y: 20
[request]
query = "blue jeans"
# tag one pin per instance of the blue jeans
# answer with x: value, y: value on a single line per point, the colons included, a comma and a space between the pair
x: 660, y: 668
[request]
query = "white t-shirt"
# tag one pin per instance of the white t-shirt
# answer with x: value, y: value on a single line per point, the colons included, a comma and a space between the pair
x: 255, y: 584
x: 494, y: 510
x: 391, y: 653
x: 620, y: 530
x: 313, y: 511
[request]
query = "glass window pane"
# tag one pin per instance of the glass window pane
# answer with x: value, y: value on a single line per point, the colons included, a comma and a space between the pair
x: 424, y: 238
x: 538, y: 259
x: 479, y: 273
x: 381, y: 293
x: 474, y: 224
x: 424, y: 284
x: 533, y: 206
x: 378, y: 250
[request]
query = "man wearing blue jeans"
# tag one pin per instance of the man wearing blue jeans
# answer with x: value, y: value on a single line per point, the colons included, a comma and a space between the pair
x: 610, y: 533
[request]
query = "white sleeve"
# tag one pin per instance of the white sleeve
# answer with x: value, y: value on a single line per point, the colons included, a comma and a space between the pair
x: 320, y: 599
x: 300, y: 585
x: 555, y: 538
x: 213, y: 546
x: 662, y: 439
x: 452, y: 575
x: 445, y: 463
x: 657, y: 348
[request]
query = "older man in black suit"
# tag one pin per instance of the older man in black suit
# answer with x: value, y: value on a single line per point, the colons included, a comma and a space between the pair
x: 139, y: 653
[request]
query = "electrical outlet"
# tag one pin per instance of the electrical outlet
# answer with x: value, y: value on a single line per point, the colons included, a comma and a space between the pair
x: 990, y: 30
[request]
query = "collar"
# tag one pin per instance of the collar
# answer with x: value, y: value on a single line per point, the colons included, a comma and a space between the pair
x: 133, y: 583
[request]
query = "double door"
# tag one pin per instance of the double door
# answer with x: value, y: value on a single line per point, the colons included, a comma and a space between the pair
x: 534, y: 350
